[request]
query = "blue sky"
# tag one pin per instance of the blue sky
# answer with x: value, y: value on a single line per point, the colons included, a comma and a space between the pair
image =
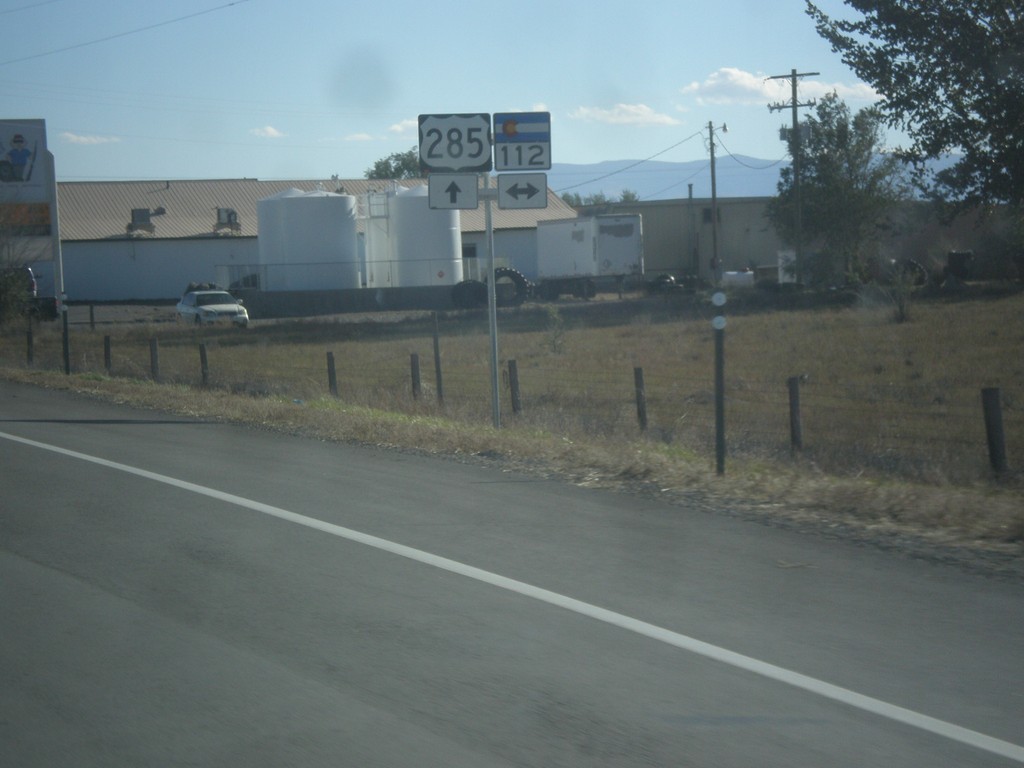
x: 303, y: 89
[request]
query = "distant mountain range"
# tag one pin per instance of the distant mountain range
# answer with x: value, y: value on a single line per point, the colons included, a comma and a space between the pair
x: 735, y: 176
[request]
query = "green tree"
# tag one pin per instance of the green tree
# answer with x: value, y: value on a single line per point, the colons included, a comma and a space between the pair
x: 847, y: 186
x: 629, y: 196
x: 398, y: 165
x: 15, y: 254
x: 950, y: 75
x: 597, y: 198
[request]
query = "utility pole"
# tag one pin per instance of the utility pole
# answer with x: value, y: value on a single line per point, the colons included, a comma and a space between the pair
x: 794, y: 104
x: 693, y: 242
x: 716, y: 267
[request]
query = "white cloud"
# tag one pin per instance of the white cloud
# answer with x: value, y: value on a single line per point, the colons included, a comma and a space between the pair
x: 730, y: 85
x: 535, y: 107
x: 358, y: 137
x: 267, y: 132
x: 623, y: 114
x: 846, y: 92
x: 74, y: 138
x: 406, y: 128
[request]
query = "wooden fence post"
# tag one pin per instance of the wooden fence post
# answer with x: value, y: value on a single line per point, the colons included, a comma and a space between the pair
x: 204, y: 365
x: 990, y: 402
x: 437, y: 363
x: 92, y: 317
x: 513, y: 383
x: 332, y: 377
x: 65, y: 341
x: 641, y: 397
x: 107, y: 356
x: 414, y: 365
x: 154, y: 357
x: 796, y: 432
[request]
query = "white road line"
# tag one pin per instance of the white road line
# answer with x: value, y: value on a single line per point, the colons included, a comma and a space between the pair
x: 686, y: 643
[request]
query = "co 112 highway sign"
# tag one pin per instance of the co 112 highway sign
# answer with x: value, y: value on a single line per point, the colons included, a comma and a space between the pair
x: 455, y: 143
x: 522, y: 141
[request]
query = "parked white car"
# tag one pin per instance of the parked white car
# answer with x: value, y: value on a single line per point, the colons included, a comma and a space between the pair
x: 202, y: 307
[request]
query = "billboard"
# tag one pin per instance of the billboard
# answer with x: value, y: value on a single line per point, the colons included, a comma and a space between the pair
x: 24, y: 170
x: 29, y: 231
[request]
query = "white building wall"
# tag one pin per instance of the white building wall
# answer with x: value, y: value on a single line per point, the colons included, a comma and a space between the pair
x: 125, y: 270
x: 515, y: 248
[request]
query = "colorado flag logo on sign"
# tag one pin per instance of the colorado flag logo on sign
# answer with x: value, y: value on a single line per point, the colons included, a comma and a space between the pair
x: 522, y: 141
x: 523, y: 126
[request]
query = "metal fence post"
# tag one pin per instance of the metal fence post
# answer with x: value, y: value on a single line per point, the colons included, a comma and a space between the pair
x: 154, y: 358
x: 513, y: 383
x: 796, y: 432
x: 641, y: 397
x: 332, y: 377
x: 720, y: 400
x: 993, y: 410
x: 204, y: 365
x: 414, y: 365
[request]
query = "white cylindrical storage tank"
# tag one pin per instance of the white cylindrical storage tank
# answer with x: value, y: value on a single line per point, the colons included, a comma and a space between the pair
x: 425, y: 244
x: 270, y: 216
x: 307, y: 240
x: 377, y: 246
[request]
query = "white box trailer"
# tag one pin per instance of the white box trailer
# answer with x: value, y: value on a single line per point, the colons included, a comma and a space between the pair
x: 576, y: 255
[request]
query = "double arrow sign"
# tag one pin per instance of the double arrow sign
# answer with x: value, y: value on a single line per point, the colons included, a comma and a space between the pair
x: 529, y: 191
x: 453, y: 191
x: 461, y: 190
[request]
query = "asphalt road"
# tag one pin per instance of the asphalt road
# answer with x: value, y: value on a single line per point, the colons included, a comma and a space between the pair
x: 177, y: 592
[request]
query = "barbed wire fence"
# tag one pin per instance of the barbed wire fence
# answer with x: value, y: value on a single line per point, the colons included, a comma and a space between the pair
x: 928, y: 431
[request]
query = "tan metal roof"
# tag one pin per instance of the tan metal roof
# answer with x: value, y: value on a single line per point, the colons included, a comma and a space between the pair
x: 187, y: 209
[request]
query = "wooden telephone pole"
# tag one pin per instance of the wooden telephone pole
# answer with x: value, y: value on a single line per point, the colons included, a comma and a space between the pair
x: 716, y: 264
x: 794, y: 104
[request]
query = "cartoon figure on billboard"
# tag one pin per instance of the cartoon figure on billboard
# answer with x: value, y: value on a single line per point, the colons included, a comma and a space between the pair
x: 17, y: 161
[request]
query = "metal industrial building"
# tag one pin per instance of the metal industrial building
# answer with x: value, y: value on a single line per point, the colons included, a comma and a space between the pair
x: 146, y: 240
x: 679, y: 239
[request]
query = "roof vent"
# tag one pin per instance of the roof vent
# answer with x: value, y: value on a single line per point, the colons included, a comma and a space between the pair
x: 227, y: 218
x: 140, y: 222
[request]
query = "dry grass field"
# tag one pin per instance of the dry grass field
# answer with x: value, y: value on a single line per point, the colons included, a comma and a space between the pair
x: 894, y: 442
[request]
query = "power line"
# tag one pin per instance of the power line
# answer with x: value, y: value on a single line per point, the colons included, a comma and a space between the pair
x: 28, y: 7
x: 748, y: 165
x: 120, y: 34
x: 631, y: 165
x: 693, y: 175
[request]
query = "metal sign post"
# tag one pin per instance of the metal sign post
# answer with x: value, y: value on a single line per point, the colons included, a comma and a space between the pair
x: 718, y: 323
x: 455, y: 146
x: 489, y: 194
